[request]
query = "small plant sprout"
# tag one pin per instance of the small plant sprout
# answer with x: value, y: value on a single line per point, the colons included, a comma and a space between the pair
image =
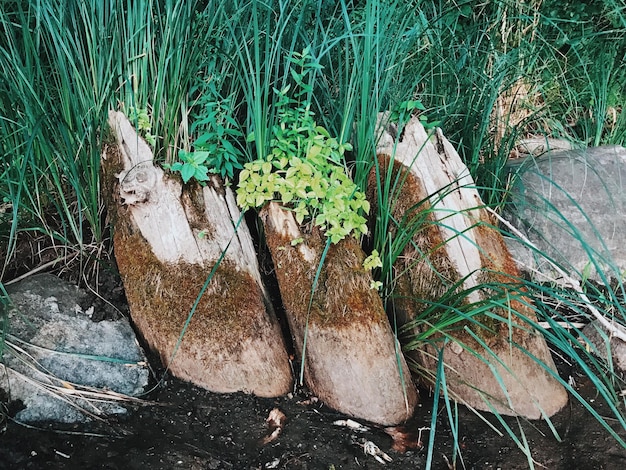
x: 376, y: 285
x: 202, y: 234
x: 371, y: 262
x: 405, y: 109
x: 141, y: 119
x: 191, y: 165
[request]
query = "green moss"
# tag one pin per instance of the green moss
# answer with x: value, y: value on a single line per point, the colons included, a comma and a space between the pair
x: 162, y: 295
x: 342, y: 297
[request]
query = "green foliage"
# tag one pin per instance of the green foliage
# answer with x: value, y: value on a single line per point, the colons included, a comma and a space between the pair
x: 213, y: 151
x: 304, y: 168
x: 54, y: 98
x: 160, y: 50
x: 404, y: 110
x: 192, y: 165
x: 142, y: 122
x: 213, y: 148
x: 370, y: 263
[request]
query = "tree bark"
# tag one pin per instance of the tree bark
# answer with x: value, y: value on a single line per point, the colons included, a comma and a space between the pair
x: 167, y: 239
x: 457, y: 243
x: 352, y: 360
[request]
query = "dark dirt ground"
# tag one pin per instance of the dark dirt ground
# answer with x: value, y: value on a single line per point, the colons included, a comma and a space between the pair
x: 190, y: 428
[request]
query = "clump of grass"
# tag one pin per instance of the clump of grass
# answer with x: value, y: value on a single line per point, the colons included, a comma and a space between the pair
x: 56, y: 92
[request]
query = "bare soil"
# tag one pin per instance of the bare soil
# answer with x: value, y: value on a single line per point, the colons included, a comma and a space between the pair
x: 183, y: 426
x: 190, y: 428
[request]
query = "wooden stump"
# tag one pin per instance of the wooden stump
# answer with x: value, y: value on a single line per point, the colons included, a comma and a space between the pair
x: 167, y: 239
x: 458, y: 244
x: 352, y: 360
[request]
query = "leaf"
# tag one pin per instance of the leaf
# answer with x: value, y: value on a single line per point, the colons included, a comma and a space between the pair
x: 202, y: 140
x: 372, y: 261
x: 291, y: 173
x: 241, y: 199
x: 187, y: 172
x: 296, y: 77
x: 286, y: 197
x: 314, y: 151
x: 299, y: 217
x: 201, y: 173
x: 301, y: 192
x: 365, y: 205
x: 322, y: 131
x: 228, y: 147
x: 200, y: 157
x: 345, y: 147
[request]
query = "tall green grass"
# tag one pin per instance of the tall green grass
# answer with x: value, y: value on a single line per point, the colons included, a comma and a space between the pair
x: 162, y: 48
x: 64, y: 66
x: 56, y: 62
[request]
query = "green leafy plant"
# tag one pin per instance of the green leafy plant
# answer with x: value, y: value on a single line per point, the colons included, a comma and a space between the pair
x: 141, y: 119
x: 191, y: 165
x: 304, y: 167
x: 213, y: 150
x: 370, y: 263
x: 403, y: 111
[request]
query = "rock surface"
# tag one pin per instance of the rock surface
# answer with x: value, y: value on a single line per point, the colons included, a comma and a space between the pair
x: 601, y: 342
x: 570, y: 205
x: 56, y: 357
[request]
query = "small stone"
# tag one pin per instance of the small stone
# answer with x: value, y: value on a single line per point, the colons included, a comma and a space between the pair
x: 63, y: 347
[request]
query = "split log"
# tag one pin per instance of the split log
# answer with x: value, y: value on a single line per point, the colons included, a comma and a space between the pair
x: 457, y: 243
x: 352, y: 360
x: 167, y: 239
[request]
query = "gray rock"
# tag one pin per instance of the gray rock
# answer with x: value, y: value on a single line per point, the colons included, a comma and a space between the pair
x: 604, y: 344
x: 52, y: 342
x: 571, y: 206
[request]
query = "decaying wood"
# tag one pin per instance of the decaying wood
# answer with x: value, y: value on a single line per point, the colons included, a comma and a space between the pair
x: 352, y: 360
x: 167, y: 239
x: 458, y: 244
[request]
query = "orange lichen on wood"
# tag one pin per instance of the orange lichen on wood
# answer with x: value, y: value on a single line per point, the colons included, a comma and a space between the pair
x: 462, y: 250
x: 167, y: 240
x: 351, y: 360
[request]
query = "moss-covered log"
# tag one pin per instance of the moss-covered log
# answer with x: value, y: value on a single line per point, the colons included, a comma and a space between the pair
x: 352, y: 360
x: 456, y: 250
x: 167, y: 239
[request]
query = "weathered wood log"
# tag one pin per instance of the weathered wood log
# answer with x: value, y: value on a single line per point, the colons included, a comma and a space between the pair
x: 457, y: 243
x: 352, y: 360
x: 167, y: 239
